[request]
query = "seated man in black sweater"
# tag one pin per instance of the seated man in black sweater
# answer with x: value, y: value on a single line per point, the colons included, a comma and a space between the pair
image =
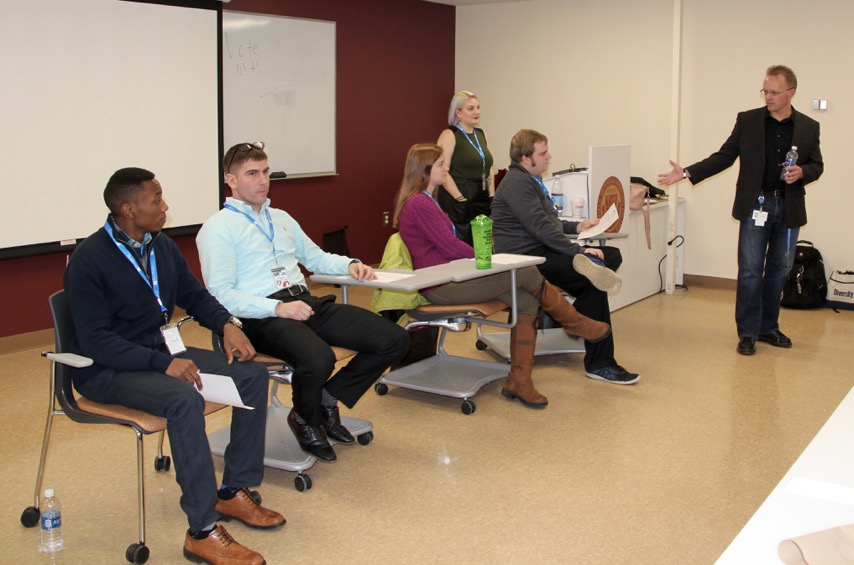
x: 123, y: 283
x: 526, y: 222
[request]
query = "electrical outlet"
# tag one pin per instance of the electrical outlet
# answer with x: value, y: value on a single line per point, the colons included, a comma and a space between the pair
x: 385, y: 219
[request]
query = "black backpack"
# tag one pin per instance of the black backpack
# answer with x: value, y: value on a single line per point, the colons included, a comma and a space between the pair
x: 806, y: 285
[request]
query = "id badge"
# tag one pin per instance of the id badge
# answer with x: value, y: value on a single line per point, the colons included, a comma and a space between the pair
x: 760, y: 217
x: 173, y: 340
x: 281, y: 277
x: 485, y: 183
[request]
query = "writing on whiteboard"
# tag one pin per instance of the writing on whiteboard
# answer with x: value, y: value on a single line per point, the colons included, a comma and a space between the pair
x: 243, y: 55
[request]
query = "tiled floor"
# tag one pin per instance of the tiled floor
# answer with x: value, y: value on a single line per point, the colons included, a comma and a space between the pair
x: 667, y: 471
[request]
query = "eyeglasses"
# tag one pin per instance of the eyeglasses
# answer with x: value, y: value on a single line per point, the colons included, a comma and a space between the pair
x: 243, y: 147
x: 764, y: 92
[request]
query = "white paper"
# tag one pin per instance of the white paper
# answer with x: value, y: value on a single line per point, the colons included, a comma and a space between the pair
x: 508, y: 258
x: 222, y: 390
x: 387, y: 277
x: 605, y: 222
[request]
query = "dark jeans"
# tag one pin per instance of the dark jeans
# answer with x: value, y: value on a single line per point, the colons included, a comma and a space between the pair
x: 183, y: 407
x: 765, y: 257
x: 306, y: 346
x: 589, y: 300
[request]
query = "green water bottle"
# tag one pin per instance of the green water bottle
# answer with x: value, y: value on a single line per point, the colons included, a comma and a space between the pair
x: 481, y: 231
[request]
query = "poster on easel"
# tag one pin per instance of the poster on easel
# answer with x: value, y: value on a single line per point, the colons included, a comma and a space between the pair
x: 609, y: 174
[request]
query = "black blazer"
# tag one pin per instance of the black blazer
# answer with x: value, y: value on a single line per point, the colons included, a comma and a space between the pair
x: 747, y: 141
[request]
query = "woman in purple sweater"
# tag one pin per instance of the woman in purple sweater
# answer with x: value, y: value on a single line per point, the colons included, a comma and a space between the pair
x: 429, y: 235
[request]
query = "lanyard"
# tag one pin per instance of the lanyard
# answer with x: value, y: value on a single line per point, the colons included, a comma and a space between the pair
x: 477, y: 147
x: 270, y: 236
x: 430, y: 196
x: 545, y: 190
x: 153, y: 284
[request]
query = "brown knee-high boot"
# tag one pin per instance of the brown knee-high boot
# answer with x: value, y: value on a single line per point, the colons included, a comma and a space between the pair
x: 553, y: 302
x: 523, y: 342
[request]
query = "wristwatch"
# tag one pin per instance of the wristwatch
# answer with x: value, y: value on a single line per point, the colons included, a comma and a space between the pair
x: 235, y: 321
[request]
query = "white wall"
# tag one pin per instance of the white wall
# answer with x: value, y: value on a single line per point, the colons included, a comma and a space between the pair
x: 587, y: 72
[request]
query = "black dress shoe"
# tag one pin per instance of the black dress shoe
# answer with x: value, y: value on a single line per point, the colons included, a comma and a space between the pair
x: 776, y: 338
x: 332, y: 424
x: 311, y: 440
x: 746, y: 346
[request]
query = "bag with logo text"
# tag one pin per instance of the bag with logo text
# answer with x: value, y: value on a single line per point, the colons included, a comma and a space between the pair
x: 840, y: 290
x: 806, y: 285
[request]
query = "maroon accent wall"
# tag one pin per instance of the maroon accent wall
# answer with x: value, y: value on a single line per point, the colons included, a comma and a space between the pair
x: 395, y: 79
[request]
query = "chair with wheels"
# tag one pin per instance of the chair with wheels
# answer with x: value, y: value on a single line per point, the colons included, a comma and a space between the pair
x: 281, y: 450
x: 63, y: 400
x: 442, y: 373
x: 435, y: 371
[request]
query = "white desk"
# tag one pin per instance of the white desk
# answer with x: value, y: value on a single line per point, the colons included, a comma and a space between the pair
x: 642, y: 269
x: 816, y: 494
x: 444, y: 374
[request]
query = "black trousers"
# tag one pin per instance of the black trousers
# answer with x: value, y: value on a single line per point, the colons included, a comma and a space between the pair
x: 462, y: 213
x: 589, y: 300
x: 306, y: 346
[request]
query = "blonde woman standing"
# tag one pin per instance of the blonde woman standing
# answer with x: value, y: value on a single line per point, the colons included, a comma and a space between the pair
x: 470, y: 186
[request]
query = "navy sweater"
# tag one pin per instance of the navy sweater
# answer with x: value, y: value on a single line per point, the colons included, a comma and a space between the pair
x: 117, y: 319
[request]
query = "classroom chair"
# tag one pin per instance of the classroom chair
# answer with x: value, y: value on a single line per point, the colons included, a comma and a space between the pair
x: 439, y: 372
x: 63, y: 400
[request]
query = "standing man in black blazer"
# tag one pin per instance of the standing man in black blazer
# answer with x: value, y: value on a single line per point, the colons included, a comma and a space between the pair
x: 769, y: 201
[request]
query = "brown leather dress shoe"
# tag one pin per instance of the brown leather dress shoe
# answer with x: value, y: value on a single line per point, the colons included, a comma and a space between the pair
x: 243, y: 508
x: 219, y: 548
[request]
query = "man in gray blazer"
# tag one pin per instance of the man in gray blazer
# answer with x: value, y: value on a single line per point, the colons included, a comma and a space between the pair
x: 769, y: 201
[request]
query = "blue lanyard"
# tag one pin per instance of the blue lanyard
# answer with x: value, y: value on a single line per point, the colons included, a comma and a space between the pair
x: 430, y: 196
x: 153, y: 284
x: 477, y: 147
x: 545, y: 190
x: 270, y: 236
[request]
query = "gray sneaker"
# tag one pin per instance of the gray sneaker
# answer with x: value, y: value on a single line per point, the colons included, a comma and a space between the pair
x: 602, y: 278
x: 615, y: 374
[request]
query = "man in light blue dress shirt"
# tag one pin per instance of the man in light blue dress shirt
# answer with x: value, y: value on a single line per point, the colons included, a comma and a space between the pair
x: 250, y: 255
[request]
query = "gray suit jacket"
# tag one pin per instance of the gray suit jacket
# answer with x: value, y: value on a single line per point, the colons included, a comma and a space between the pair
x: 747, y: 142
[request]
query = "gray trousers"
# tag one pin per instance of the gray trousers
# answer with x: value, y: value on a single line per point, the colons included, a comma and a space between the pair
x: 528, y: 281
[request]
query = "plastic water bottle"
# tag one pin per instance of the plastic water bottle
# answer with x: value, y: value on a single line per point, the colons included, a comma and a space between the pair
x: 51, y: 523
x: 557, y: 196
x: 791, y: 161
x: 481, y: 231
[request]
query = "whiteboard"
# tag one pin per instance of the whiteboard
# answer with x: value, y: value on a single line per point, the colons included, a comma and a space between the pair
x: 279, y: 88
x: 92, y: 86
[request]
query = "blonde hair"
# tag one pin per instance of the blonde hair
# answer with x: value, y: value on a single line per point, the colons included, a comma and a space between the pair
x: 784, y: 71
x: 416, y: 174
x: 457, y: 102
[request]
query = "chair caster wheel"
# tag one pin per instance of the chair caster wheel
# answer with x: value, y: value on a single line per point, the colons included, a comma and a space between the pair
x: 480, y: 346
x: 365, y: 438
x: 30, y: 517
x: 136, y: 553
x: 468, y: 407
x: 162, y: 463
x: 303, y: 482
x: 381, y: 388
x: 255, y: 495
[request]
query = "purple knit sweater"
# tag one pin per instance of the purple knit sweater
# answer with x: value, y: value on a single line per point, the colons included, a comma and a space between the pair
x: 428, y: 233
